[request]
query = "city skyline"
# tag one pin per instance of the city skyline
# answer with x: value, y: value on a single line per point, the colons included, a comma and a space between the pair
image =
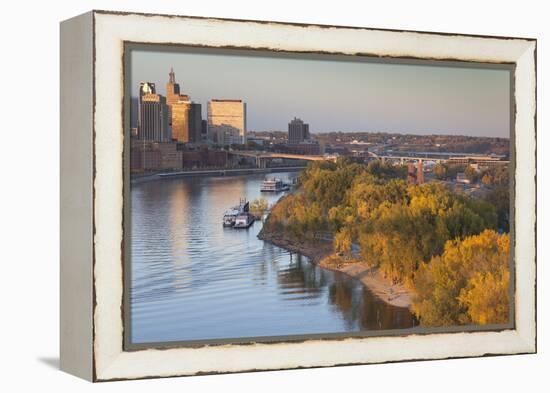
x: 408, y: 99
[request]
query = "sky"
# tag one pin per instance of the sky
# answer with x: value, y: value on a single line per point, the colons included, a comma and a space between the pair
x: 335, y: 94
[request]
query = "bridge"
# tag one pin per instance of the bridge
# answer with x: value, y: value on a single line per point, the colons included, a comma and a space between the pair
x: 261, y: 158
x: 456, y: 159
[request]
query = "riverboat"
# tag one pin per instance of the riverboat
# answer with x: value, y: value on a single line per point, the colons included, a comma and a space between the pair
x: 274, y: 185
x: 230, y: 216
x: 243, y: 221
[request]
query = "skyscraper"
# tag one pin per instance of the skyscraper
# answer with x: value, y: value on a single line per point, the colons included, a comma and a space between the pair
x: 186, y: 121
x: 227, y: 121
x: 173, y: 90
x: 179, y: 112
x: 204, y: 130
x: 152, y: 115
x: 298, y: 131
x: 185, y: 115
x: 195, y: 122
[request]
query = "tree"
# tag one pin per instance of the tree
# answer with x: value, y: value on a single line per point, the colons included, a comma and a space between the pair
x: 342, y: 242
x: 471, y: 174
x: 251, y: 145
x: 440, y: 171
x: 386, y: 171
x: 368, y: 192
x: 486, y: 297
x: 467, y: 284
x: 499, y: 195
x: 432, y: 239
x: 454, y: 169
x: 399, y: 235
x: 258, y: 207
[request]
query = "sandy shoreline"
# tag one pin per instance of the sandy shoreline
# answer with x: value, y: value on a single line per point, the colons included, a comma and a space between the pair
x: 321, y: 254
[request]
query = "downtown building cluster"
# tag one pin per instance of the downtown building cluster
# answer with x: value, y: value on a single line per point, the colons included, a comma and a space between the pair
x: 171, y: 127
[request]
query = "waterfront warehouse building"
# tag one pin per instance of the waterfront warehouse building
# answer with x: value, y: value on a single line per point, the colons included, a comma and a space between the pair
x: 148, y: 156
x: 204, y: 158
x: 152, y: 115
x: 227, y: 121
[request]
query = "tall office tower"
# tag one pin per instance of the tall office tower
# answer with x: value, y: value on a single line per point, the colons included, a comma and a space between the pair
x: 179, y: 111
x: 227, y: 121
x: 180, y: 120
x: 204, y: 130
x: 186, y: 121
x: 298, y: 131
x: 195, y: 122
x: 152, y: 115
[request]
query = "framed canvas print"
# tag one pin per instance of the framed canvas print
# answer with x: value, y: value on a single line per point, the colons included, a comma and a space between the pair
x: 248, y: 195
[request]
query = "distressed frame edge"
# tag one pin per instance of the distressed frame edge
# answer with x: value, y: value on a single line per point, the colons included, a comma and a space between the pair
x: 304, y: 24
x: 526, y: 126
x: 76, y: 196
x: 525, y: 339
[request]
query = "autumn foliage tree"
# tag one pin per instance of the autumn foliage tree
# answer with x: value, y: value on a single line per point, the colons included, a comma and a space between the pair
x: 342, y: 242
x: 467, y: 284
x: 442, y: 244
x: 413, y: 224
x: 497, y: 180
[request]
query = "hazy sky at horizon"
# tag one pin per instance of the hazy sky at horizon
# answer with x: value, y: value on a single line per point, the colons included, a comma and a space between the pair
x: 336, y: 95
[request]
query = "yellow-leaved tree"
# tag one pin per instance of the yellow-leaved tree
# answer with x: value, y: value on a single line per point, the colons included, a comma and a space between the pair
x: 467, y: 284
x: 342, y: 242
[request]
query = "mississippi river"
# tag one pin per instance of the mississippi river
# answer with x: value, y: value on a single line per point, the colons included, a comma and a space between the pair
x: 193, y: 279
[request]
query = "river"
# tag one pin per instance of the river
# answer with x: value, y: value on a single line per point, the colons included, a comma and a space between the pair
x: 193, y: 279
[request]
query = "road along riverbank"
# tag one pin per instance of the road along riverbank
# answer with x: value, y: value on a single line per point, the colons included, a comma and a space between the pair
x: 136, y: 179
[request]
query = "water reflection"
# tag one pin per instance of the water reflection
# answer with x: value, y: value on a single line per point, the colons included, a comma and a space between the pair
x: 192, y: 279
x: 301, y: 280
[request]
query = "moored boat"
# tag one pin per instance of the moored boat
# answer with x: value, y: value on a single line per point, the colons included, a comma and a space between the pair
x: 244, y: 220
x: 274, y: 185
x: 230, y: 216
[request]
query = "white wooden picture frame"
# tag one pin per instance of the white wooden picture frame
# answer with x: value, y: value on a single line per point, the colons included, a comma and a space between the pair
x: 92, y: 189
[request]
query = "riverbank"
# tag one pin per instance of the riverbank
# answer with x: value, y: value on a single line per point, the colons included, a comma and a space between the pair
x: 321, y: 253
